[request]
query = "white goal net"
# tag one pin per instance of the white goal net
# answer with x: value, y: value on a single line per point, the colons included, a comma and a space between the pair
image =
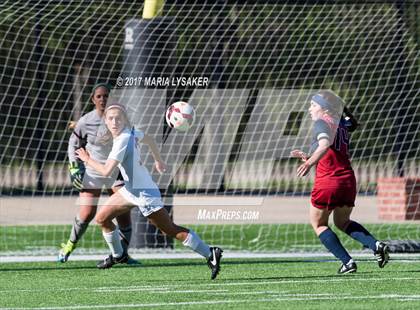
x: 248, y: 68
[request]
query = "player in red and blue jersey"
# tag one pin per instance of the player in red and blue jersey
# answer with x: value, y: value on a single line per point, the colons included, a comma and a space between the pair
x: 335, y: 184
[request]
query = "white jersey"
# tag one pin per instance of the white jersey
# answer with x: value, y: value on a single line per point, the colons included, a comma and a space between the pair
x: 124, y: 150
x: 139, y: 188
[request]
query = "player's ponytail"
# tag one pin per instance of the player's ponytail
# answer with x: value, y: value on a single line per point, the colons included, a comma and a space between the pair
x: 333, y: 104
x: 71, y: 125
x: 349, y: 120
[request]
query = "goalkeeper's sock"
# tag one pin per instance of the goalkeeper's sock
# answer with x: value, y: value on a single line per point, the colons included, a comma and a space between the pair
x: 196, y: 244
x: 78, y: 229
x: 359, y: 233
x: 113, y: 240
x: 330, y: 240
x: 125, y: 237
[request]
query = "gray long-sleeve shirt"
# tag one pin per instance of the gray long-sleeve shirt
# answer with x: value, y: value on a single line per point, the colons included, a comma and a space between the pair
x: 88, y: 132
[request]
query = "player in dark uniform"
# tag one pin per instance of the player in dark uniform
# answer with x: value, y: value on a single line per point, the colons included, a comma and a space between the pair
x: 335, y: 184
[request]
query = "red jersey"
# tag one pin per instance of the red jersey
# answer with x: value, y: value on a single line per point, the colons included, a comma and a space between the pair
x: 334, y: 168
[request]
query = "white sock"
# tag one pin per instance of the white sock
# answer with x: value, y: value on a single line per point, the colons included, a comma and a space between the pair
x: 377, y: 244
x: 194, y: 242
x: 113, y: 240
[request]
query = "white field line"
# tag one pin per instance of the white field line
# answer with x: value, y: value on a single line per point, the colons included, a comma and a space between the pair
x: 280, y: 298
x: 170, y: 255
x: 167, y: 288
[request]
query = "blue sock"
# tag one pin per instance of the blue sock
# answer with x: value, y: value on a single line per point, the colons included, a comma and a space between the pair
x: 330, y: 240
x: 359, y: 233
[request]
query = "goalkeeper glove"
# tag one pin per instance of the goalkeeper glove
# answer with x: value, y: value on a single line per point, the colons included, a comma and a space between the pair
x: 77, y: 171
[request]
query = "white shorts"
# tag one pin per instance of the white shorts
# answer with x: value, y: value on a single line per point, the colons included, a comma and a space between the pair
x: 98, y: 182
x: 148, y: 200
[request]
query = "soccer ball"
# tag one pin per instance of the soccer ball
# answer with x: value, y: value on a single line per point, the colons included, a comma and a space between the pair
x: 180, y: 116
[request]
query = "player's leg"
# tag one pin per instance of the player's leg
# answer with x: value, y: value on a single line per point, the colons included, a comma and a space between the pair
x: 319, y: 221
x: 189, y: 238
x: 87, y: 210
x: 161, y: 220
x: 125, y: 229
x: 361, y: 234
x: 352, y: 228
x: 113, y: 207
x: 124, y: 226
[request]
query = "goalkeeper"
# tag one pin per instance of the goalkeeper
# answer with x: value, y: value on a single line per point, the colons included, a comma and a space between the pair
x: 87, y: 181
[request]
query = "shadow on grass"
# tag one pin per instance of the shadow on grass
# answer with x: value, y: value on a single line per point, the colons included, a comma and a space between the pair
x: 146, y: 264
x: 52, y: 267
x: 91, y: 265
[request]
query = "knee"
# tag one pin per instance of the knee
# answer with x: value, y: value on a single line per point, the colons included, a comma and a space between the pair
x: 316, y: 224
x: 341, y: 224
x: 319, y: 227
x: 101, y: 219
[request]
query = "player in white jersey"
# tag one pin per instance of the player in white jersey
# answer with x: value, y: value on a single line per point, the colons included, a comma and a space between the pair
x: 139, y: 190
x: 88, y: 181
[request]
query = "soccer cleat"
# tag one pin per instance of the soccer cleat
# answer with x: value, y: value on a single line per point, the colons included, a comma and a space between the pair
x: 66, y: 250
x: 132, y: 262
x: 110, y: 261
x: 348, y: 268
x: 214, y: 261
x: 382, y: 254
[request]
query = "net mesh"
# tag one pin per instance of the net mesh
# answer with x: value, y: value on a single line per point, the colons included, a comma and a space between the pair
x: 262, y: 62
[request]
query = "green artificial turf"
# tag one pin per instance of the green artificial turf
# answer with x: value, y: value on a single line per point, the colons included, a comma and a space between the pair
x: 242, y: 284
x: 248, y: 237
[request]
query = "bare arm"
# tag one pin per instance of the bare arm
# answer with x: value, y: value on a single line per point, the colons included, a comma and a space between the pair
x: 320, y: 151
x: 105, y: 170
x: 150, y: 142
x: 152, y: 146
x: 299, y: 154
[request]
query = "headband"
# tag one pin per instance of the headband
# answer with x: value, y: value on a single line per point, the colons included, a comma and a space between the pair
x: 322, y: 102
x: 105, y: 85
x: 115, y: 105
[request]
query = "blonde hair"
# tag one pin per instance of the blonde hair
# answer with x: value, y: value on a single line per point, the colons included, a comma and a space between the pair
x: 72, y: 125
